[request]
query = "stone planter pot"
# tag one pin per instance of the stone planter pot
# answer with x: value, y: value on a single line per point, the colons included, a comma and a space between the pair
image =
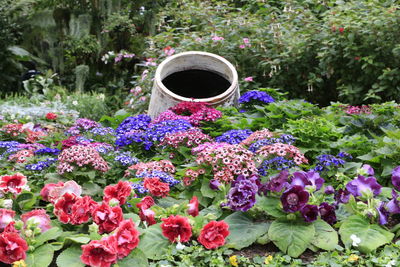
x: 194, y: 76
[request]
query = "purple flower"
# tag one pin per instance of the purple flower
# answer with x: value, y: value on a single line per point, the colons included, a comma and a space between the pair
x: 393, y: 205
x: 368, y: 169
x: 329, y: 190
x: 342, y: 196
x: 214, y: 184
x: 294, y: 198
x: 396, y: 177
x: 383, y: 214
x: 242, y: 195
x: 304, y: 179
x: 309, y: 213
x: 277, y: 183
x: 327, y: 213
x: 360, y: 185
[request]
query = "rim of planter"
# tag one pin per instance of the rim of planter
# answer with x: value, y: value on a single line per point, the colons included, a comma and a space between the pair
x: 233, y: 80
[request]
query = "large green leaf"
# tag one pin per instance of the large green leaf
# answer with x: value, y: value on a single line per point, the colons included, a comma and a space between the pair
x: 40, y: 257
x: 325, y: 236
x: 372, y: 236
x: 271, y: 205
x: 243, y: 231
x: 50, y: 234
x: 205, y: 189
x: 136, y: 258
x: 70, y: 257
x: 291, y: 236
x: 153, y: 243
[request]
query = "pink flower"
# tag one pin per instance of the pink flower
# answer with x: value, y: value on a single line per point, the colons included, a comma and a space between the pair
x: 47, y: 188
x: 38, y: 217
x: 120, y: 192
x: 146, y: 214
x: 108, y: 218
x: 193, y: 207
x: 127, y: 237
x: 100, y: 253
x: 242, y: 46
x: 68, y: 187
x: 6, y: 216
x: 216, y: 38
x: 169, y: 51
x: 246, y: 40
x: 248, y: 79
x: 13, y: 183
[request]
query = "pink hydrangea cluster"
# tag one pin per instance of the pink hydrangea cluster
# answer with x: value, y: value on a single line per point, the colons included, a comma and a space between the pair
x: 191, y: 175
x: 80, y: 156
x: 364, y: 109
x: 256, y: 136
x: 196, y: 112
x: 162, y: 165
x: 190, y: 138
x: 282, y: 150
x: 21, y: 156
x: 228, y: 162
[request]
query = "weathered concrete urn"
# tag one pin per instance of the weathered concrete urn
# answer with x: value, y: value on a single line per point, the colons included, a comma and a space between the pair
x: 194, y: 76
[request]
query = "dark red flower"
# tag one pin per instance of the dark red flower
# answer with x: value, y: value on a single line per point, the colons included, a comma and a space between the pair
x: 145, y: 213
x: 107, y: 218
x: 341, y: 29
x: 176, y: 228
x: 100, y: 253
x: 12, y: 247
x: 327, y: 213
x: 13, y: 183
x: 37, y: 216
x: 6, y: 216
x: 82, y: 209
x: 120, y: 192
x: 294, y: 198
x: 47, y: 188
x: 156, y: 187
x: 63, y: 207
x: 127, y: 238
x: 193, y: 207
x: 51, y: 116
x: 213, y: 234
x: 10, y: 228
x: 309, y: 213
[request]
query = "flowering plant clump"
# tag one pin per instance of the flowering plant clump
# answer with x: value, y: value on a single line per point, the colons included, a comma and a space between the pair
x: 176, y: 228
x: 356, y: 110
x: 82, y: 125
x: 13, y: 184
x: 190, y: 138
x: 256, y: 97
x: 327, y: 162
x: 284, y: 139
x: 242, y: 195
x: 257, y: 136
x: 80, y: 156
x: 197, y: 112
x: 234, y: 136
x: 227, y: 161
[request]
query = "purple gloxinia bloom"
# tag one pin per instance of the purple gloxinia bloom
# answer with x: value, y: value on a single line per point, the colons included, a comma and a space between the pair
x: 327, y: 213
x: 309, y: 213
x: 242, y: 195
x: 396, y: 177
x: 342, y: 196
x: 214, y: 184
x: 329, y: 190
x: 310, y: 178
x: 370, y: 171
x: 383, y: 214
x: 357, y: 186
x: 277, y: 183
x: 294, y: 198
x: 393, y: 205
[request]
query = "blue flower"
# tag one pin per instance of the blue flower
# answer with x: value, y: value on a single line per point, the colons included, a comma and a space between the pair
x: 41, y: 165
x: 256, y: 96
x: 277, y: 163
x: 234, y: 136
x: 47, y: 150
x: 139, y: 122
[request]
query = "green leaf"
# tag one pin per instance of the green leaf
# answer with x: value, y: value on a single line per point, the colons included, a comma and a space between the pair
x: 70, y: 257
x: 25, y: 201
x: 325, y: 236
x: 214, y: 210
x: 40, y: 257
x: 153, y: 243
x: 91, y: 189
x: 291, y: 236
x: 205, y: 189
x: 50, y: 234
x: 79, y: 238
x: 135, y: 218
x: 372, y: 235
x: 271, y: 205
x: 136, y: 258
x: 243, y: 231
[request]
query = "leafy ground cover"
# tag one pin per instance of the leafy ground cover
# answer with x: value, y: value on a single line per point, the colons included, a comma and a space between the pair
x: 273, y: 182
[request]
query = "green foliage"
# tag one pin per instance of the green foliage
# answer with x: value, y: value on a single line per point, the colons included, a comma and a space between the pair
x: 153, y: 243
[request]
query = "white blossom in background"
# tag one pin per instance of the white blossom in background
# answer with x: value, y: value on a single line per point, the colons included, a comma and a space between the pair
x: 356, y: 240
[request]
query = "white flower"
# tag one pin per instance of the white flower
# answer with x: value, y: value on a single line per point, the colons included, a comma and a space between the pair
x: 180, y: 246
x: 356, y: 240
x: 75, y: 103
x: 7, y: 203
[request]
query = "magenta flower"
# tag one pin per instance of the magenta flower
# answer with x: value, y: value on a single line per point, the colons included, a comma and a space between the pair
x: 248, y: 79
x: 294, y: 198
x: 383, y: 214
x: 310, y: 178
x: 242, y: 195
x: 342, y: 196
x: 329, y: 190
x: 214, y: 184
x: 393, y: 206
x: 396, y: 177
x: 362, y: 185
x: 277, y: 183
x: 309, y: 213
x: 327, y: 213
x: 368, y: 169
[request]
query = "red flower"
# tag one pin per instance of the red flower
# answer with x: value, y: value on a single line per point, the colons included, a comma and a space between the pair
x: 145, y: 213
x: 341, y: 29
x: 10, y: 228
x: 68, y: 187
x: 127, y: 238
x: 13, y: 183
x: 51, y: 116
x: 63, y: 207
x: 193, y: 207
x: 108, y: 218
x: 37, y: 216
x: 82, y: 209
x: 6, y: 216
x: 120, y: 191
x: 176, y: 228
x: 47, y: 188
x: 213, y: 234
x: 100, y: 253
x: 357, y: 58
x: 156, y: 187
x: 12, y: 247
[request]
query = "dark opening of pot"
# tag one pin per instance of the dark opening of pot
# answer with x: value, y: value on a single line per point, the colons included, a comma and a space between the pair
x: 196, y: 83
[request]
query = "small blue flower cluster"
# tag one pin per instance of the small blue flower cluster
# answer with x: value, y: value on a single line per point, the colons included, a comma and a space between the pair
x: 277, y: 163
x: 139, y: 188
x: 234, y: 136
x: 104, y: 148
x: 139, y: 122
x: 47, y: 150
x: 165, y: 177
x: 102, y: 131
x: 83, y: 140
x: 256, y: 96
x: 10, y: 147
x: 284, y: 139
x: 126, y: 159
x: 41, y: 164
x: 326, y: 161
